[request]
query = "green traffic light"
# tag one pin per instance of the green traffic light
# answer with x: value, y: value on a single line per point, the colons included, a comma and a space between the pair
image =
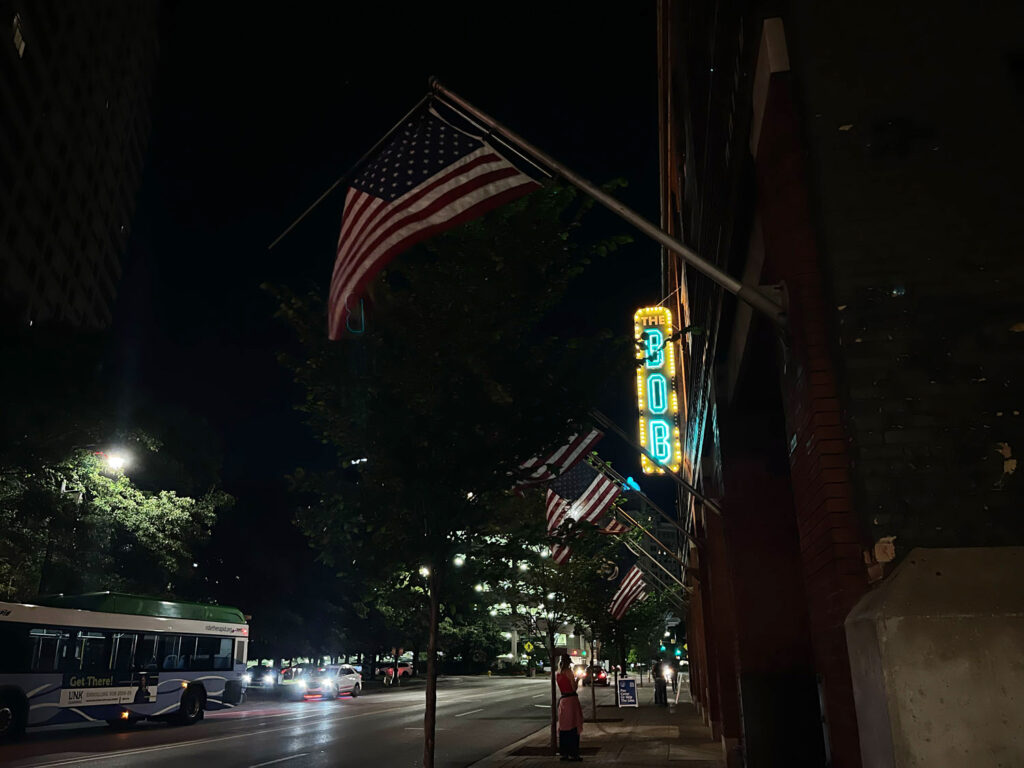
x: 584, y: 653
x: 662, y: 647
x: 679, y: 651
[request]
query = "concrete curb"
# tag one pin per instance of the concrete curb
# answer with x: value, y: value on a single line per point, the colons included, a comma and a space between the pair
x: 506, y: 751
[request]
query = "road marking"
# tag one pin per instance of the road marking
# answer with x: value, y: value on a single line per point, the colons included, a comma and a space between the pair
x: 538, y: 695
x: 471, y: 712
x: 543, y: 706
x: 196, y: 742
x: 280, y: 760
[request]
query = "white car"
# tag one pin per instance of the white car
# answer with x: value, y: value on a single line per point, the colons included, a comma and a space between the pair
x: 333, y: 680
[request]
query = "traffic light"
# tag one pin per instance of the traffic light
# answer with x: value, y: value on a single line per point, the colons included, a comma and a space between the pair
x: 583, y: 652
x: 662, y: 648
x: 679, y: 652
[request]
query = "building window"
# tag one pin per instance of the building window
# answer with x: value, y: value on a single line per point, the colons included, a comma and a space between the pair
x: 19, y: 39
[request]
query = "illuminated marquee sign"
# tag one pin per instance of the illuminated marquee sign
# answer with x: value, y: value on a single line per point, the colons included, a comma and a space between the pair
x: 656, y: 390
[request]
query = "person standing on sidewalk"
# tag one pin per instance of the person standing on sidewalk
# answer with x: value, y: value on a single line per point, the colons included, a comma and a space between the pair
x: 660, y: 685
x: 570, y: 712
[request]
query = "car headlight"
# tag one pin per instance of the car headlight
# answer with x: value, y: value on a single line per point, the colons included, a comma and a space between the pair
x: 326, y: 683
x: 246, y: 678
x: 302, y: 685
x: 268, y: 679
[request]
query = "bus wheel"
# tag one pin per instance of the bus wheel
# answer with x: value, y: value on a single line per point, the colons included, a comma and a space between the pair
x: 191, y: 709
x: 13, y: 714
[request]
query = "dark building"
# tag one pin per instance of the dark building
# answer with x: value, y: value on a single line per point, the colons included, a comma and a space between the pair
x: 75, y: 86
x: 865, y: 158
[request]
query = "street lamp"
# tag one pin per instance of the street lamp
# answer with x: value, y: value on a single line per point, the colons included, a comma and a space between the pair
x: 114, y: 460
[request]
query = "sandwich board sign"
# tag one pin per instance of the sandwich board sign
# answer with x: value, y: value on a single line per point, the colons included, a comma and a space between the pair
x: 626, y: 693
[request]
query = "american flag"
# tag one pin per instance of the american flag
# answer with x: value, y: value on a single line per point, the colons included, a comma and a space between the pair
x: 539, y: 470
x: 430, y: 177
x: 582, y: 493
x: 631, y: 589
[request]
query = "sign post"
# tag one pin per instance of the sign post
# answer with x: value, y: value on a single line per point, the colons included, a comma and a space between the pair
x: 626, y: 692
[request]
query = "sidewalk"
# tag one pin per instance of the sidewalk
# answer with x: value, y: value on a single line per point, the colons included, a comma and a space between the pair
x: 633, y: 737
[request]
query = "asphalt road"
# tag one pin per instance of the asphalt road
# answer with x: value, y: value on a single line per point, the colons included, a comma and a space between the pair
x: 476, y: 716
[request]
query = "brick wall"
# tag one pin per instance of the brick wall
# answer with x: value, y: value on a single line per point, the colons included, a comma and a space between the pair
x: 830, y: 534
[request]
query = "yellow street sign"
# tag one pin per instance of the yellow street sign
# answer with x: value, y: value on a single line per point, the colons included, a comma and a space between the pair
x: 528, y: 646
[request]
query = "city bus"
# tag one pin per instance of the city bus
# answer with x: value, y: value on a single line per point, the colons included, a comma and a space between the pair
x: 116, y: 658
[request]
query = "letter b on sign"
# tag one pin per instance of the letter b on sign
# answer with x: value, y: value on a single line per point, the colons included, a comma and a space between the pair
x: 661, y: 440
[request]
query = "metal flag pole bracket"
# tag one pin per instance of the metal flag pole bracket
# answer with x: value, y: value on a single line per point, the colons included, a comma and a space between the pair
x: 750, y: 294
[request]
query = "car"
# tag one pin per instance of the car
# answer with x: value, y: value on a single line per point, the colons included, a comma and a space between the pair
x: 311, y: 681
x: 293, y: 680
x: 260, y: 677
x: 331, y: 681
x: 597, y: 676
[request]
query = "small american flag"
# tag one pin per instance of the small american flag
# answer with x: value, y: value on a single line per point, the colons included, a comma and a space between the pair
x: 430, y: 177
x: 582, y: 493
x: 539, y: 470
x: 631, y: 589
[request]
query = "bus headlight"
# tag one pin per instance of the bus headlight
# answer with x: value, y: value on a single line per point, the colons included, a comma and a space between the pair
x: 246, y: 678
x: 268, y: 679
x: 302, y: 685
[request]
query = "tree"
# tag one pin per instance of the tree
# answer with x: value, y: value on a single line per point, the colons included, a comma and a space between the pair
x: 77, y: 524
x: 465, y: 371
x: 70, y: 521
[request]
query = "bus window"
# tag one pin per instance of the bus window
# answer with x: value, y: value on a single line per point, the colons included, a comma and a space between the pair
x: 168, y: 652
x: 240, y: 652
x: 188, y: 650
x: 47, y: 648
x: 92, y: 651
x: 17, y: 646
x: 122, y: 651
x: 146, y: 653
x: 212, y: 653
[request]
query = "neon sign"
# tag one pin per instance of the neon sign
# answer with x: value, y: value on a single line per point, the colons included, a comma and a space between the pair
x: 657, y: 398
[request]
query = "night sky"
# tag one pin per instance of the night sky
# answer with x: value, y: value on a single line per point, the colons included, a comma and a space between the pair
x: 255, y: 114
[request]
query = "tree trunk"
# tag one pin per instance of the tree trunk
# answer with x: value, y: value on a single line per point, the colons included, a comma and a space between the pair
x: 394, y: 671
x: 415, y: 658
x: 430, y: 711
x: 593, y: 682
x: 554, y: 688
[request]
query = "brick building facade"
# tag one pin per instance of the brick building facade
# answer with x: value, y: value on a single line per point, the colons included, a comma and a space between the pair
x: 863, y: 159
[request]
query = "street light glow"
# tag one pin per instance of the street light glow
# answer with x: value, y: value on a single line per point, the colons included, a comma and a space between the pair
x: 524, y: 567
x: 479, y: 587
x: 116, y: 461
x: 459, y: 561
x: 424, y: 571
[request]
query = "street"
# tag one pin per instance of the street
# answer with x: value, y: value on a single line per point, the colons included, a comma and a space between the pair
x: 475, y: 717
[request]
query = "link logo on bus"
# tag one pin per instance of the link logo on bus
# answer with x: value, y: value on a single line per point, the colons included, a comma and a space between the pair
x: 657, y: 398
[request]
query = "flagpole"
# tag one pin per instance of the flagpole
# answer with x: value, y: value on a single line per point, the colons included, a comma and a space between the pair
x: 351, y: 171
x: 679, y: 601
x: 749, y: 294
x: 654, y: 560
x: 616, y: 476
x: 650, y: 535
x: 604, y: 421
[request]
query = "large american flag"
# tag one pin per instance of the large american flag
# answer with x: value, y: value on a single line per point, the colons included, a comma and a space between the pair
x: 582, y: 493
x: 430, y: 177
x: 631, y: 589
x: 542, y: 470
